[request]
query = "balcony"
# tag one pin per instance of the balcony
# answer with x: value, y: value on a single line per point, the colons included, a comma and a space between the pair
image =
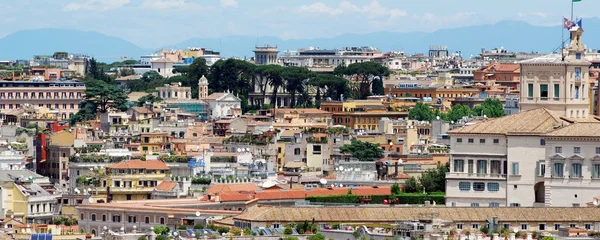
x: 489, y: 176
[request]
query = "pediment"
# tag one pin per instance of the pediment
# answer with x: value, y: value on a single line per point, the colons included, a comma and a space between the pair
x: 595, y: 157
x: 557, y: 156
x: 576, y: 157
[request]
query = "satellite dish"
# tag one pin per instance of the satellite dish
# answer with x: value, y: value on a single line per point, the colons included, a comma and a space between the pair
x: 247, y: 149
x: 323, y: 181
x: 341, y: 168
x: 595, y: 202
x: 198, y: 213
x: 91, y: 200
x: 239, y: 150
x: 341, y: 185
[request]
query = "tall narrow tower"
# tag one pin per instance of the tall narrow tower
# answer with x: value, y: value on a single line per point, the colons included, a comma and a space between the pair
x: 202, y: 87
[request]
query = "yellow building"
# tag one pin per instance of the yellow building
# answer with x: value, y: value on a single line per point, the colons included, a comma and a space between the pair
x: 28, y: 198
x: 131, y: 180
x: 155, y: 142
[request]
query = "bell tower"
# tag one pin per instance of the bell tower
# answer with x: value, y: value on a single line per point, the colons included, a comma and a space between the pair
x: 576, y: 49
x: 202, y: 87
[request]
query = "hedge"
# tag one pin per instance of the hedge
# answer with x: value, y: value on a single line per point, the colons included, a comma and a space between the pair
x: 405, y: 198
x: 335, y: 199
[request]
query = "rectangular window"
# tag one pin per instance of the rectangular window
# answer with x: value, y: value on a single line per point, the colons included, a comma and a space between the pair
x: 493, y: 187
x: 578, y: 72
x: 459, y: 140
x: 577, y: 150
x: 506, y: 226
x: 464, y: 186
x: 543, y: 91
x: 459, y: 226
x: 481, y: 167
x: 482, y: 140
x: 542, y: 142
x: 556, y: 226
x: 494, y: 204
x: 479, y: 186
x: 471, y: 140
x: 540, y: 168
x: 496, y: 141
x: 558, y: 170
x: 598, y: 150
x: 558, y: 149
x: 459, y: 165
x: 475, y: 225
x: 524, y: 226
x: 576, y: 170
x: 578, y: 56
x: 515, y: 204
x: 556, y: 91
x: 530, y: 90
x: 587, y: 226
x: 515, y: 169
x: 541, y: 227
x: 596, y: 171
x: 573, y: 225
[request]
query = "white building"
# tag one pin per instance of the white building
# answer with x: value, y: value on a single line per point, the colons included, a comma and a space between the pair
x: 505, y: 162
x: 163, y: 66
x: 223, y: 105
x: 315, y: 57
x: 558, y: 82
x: 12, y: 160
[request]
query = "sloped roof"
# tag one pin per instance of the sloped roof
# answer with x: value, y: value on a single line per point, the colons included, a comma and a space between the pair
x: 215, y: 96
x: 139, y: 164
x: 142, y: 110
x: 294, y: 164
x: 395, y: 214
x: 166, y: 186
x: 540, y: 120
x: 577, y: 130
x: 217, y: 188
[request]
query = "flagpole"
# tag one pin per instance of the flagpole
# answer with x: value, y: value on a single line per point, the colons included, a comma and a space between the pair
x: 572, y: 9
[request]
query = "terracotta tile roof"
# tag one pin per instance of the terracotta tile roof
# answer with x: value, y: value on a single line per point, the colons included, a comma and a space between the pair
x: 142, y: 110
x: 166, y: 186
x: 128, y: 78
x: 159, y: 206
x: 395, y: 214
x: 300, y: 111
x: 504, y: 67
x: 577, y: 130
x: 280, y: 194
x: 139, y: 164
x: 540, y: 120
x: 234, y: 187
x: 294, y: 164
x: 215, y: 96
x: 362, y: 191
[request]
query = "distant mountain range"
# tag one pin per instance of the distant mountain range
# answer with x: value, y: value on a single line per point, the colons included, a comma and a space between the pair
x: 512, y: 35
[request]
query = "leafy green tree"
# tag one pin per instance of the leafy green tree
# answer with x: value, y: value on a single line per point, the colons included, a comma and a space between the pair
x: 434, y: 180
x: 60, y: 55
x: 288, y: 230
x: 491, y: 108
x: 148, y: 82
x: 420, y: 112
x: 130, y: 62
x: 395, y: 190
x: 334, y: 86
x: 377, y: 87
x: 296, y: 79
x: 274, y: 75
x: 316, y: 236
x: 150, y: 98
x: 233, y: 75
x: 458, y: 112
x: 412, y: 186
x: 191, y: 74
x: 95, y: 71
x: 160, y: 230
x: 126, y: 72
x: 365, y: 73
x: 105, y: 95
x: 364, y: 151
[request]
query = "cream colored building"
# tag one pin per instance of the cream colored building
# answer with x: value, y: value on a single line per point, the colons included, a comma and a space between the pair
x: 510, y: 161
x: 174, y: 91
x: 558, y: 82
x: 163, y: 66
x: 571, y: 166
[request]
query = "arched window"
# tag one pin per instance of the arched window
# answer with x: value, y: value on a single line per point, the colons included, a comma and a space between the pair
x: 104, y: 217
x: 147, y: 220
x: 162, y: 220
x: 81, y: 217
x: 93, y: 217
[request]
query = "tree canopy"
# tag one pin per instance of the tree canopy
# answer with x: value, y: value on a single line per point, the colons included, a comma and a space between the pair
x: 150, y: 98
x: 434, y: 180
x: 421, y: 112
x: 365, y: 73
x: 333, y: 86
x: 100, y: 96
x: 364, y: 151
x: 491, y: 108
x: 296, y: 81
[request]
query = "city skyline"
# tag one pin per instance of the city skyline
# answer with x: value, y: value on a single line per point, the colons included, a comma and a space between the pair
x: 156, y: 23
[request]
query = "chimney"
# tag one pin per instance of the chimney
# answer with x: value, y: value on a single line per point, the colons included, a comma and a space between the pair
x: 396, y: 168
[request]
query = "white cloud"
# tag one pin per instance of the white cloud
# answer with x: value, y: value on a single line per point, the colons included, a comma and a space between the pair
x: 533, y: 14
x: 372, y: 10
x: 163, y: 4
x: 320, y: 7
x: 229, y: 3
x: 95, y: 5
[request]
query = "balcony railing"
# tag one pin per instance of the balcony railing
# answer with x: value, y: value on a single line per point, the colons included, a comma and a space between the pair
x: 474, y: 175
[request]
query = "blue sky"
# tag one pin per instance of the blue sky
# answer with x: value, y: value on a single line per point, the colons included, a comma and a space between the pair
x: 155, y: 23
